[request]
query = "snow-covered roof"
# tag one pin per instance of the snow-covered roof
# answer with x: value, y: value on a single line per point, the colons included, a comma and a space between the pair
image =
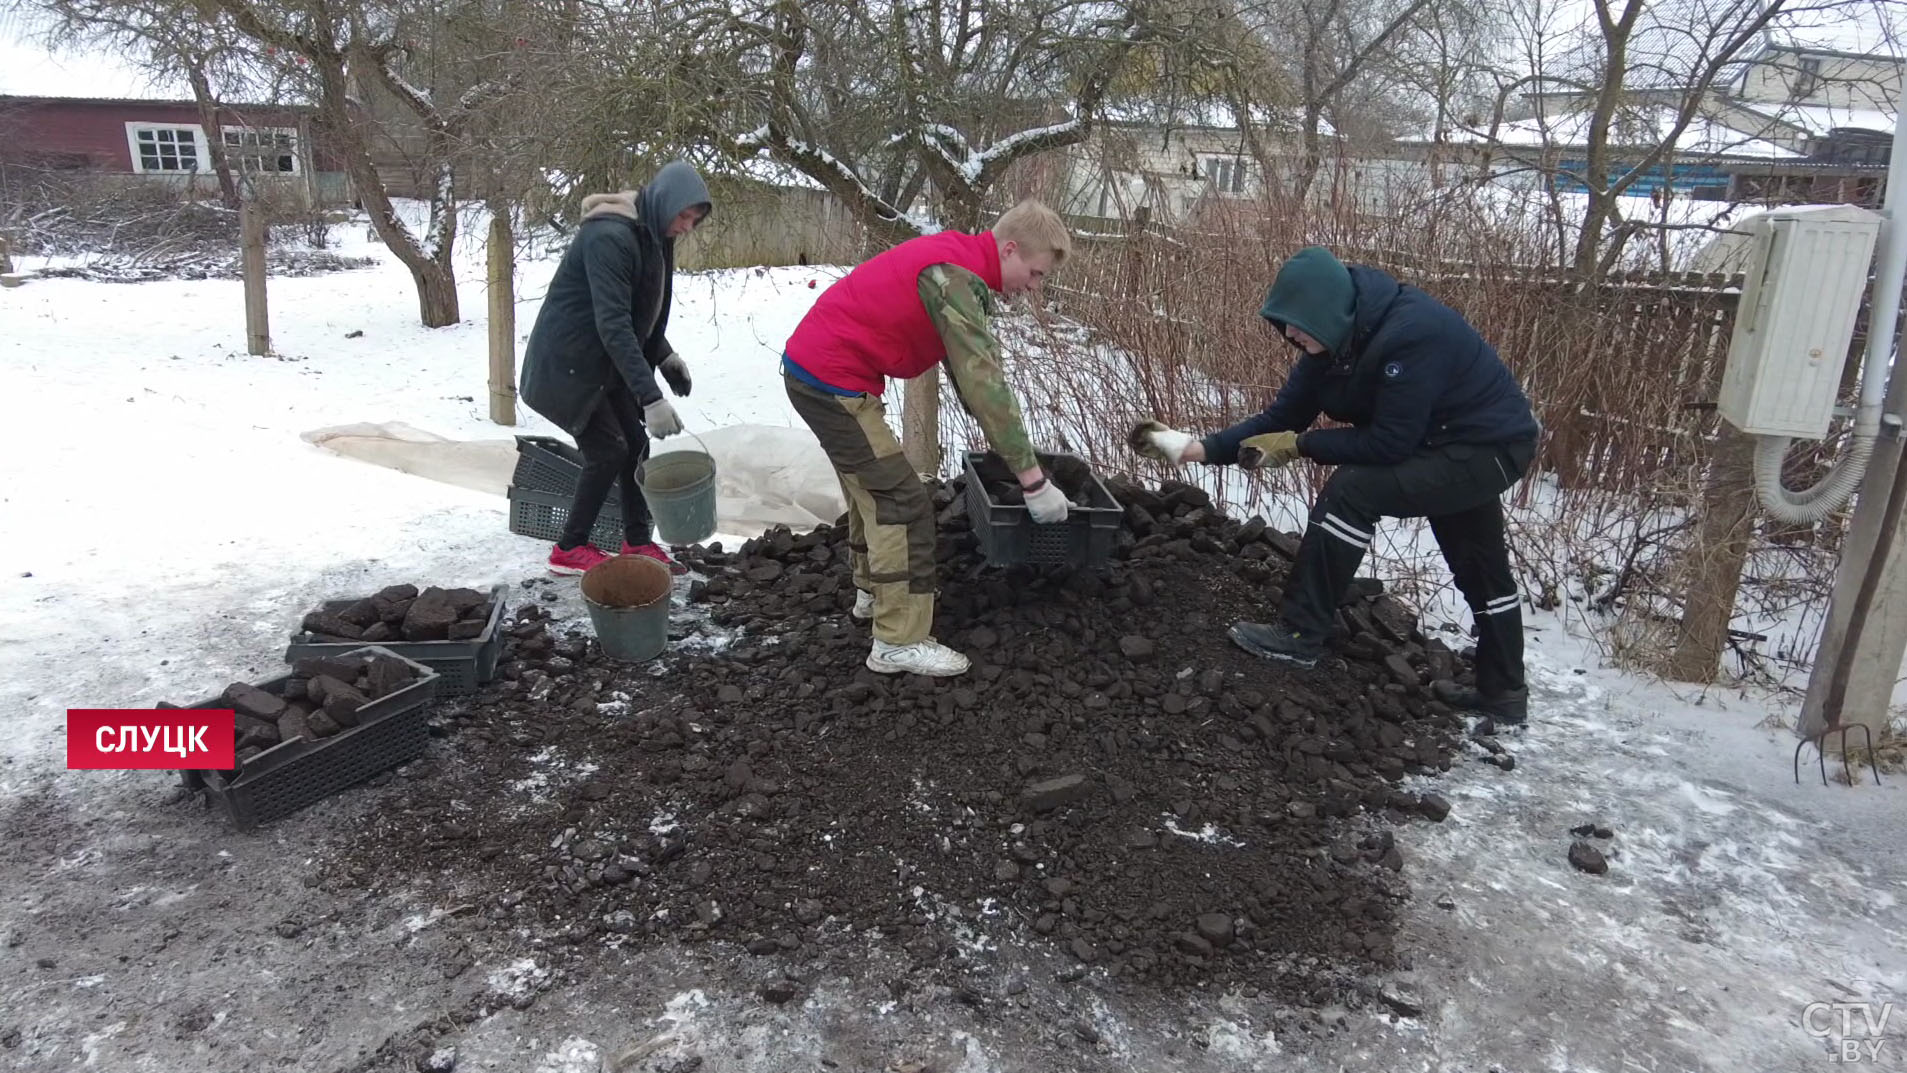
x: 29, y: 69
x: 1674, y: 40
x: 1647, y: 126
x: 1214, y: 115
x: 1822, y: 118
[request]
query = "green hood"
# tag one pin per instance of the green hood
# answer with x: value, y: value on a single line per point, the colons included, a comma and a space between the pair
x: 1314, y: 292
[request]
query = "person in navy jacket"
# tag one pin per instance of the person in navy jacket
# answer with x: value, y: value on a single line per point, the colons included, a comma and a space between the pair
x: 1433, y: 425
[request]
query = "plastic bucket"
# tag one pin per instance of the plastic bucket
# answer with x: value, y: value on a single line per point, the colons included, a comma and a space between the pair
x: 680, y: 489
x: 628, y: 602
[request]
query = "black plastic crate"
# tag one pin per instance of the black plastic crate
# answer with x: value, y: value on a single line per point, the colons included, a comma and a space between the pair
x: 391, y: 730
x: 544, y: 464
x: 1009, y: 536
x: 463, y: 666
x: 542, y: 514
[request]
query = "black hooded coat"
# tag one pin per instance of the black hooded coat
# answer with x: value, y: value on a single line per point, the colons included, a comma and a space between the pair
x: 606, y: 313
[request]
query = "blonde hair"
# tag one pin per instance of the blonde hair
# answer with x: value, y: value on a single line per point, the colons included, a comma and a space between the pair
x: 1035, y: 229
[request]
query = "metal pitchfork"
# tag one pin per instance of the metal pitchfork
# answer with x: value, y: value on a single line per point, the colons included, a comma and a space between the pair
x: 1819, y: 739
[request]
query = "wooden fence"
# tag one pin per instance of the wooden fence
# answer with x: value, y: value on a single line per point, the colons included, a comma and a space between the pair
x: 758, y: 225
x: 1623, y: 375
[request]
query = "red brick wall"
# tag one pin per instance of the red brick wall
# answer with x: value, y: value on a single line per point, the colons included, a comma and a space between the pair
x: 33, y: 127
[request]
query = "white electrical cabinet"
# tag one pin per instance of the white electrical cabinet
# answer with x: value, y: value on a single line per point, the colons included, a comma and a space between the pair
x: 1805, y: 279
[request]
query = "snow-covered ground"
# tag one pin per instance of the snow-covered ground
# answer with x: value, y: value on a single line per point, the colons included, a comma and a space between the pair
x: 162, y: 525
x: 160, y: 515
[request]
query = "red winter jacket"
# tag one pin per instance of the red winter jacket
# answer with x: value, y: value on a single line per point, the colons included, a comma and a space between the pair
x: 870, y: 324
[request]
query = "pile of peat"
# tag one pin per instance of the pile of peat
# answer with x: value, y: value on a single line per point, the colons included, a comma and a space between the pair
x: 1113, y: 784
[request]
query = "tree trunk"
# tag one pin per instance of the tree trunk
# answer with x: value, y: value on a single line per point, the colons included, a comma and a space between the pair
x: 214, y: 134
x: 1715, y: 562
x: 1615, y: 35
x: 920, y: 422
x: 1313, y: 156
x: 1595, y: 221
x: 964, y: 213
x: 436, y: 293
x: 436, y: 281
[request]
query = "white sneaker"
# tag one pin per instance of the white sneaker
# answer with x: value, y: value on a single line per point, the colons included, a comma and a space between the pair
x: 928, y: 657
x: 863, y: 605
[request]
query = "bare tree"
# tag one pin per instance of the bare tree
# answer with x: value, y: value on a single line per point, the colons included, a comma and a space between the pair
x: 882, y: 103
x: 888, y: 105
x: 169, y: 37
x: 1701, y: 43
x: 1332, y: 44
x: 1635, y: 84
x: 1443, y: 62
x: 1204, y: 65
x: 350, y: 52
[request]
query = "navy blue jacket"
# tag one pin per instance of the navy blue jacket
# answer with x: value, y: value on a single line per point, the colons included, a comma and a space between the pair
x: 1414, y: 375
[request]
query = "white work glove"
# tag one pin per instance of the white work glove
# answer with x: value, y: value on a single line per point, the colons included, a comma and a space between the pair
x: 1154, y: 440
x: 660, y: 418
x: 676, y: 372
x: 1047, y: 504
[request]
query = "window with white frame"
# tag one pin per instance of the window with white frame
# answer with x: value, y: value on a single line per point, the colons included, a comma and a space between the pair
x: 165, y: 148
x: 262, y: 150
x: 1227, y: 173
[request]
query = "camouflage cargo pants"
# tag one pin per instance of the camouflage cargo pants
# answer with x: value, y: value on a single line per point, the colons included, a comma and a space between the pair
x: 890, y: 512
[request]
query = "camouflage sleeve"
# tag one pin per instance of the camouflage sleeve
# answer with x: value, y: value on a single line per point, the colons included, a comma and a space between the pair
x: 961, y: 304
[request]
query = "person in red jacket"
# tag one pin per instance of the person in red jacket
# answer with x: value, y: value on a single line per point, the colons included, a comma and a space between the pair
x: 927, y: 301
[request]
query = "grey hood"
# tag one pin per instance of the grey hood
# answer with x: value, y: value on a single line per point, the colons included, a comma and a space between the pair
x: 676, y: 187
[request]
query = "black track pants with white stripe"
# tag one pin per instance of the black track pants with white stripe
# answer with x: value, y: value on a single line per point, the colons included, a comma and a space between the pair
x: 1459, y: 488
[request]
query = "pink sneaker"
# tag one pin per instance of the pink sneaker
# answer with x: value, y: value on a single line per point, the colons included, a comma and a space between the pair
x: 576, y: 560
x: 654, y: 551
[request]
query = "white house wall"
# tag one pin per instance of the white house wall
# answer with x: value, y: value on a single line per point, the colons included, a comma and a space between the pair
x: 1844, y: 82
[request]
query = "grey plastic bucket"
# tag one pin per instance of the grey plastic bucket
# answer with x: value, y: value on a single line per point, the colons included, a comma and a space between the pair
x: 680, y: 489
x: 628, y: 601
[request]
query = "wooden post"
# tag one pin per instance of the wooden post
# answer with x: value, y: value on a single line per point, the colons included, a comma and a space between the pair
x: 252, y: 237
x: 502, y: 318
x: 920, y: 422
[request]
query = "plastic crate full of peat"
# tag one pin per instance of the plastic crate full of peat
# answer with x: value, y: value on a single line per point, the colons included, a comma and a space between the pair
x: 1008, y: 534
x: 332, y: 723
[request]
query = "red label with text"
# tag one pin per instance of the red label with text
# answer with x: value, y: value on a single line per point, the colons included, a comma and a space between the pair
x: 146, y: 739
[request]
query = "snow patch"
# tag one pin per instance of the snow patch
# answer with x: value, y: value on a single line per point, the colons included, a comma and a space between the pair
x: 417, y: 922
x: 519, y: 978
x: 1208, y: 834
x: 573, y: 1055
x: 1232, y: 1040
x: 89, y: 1046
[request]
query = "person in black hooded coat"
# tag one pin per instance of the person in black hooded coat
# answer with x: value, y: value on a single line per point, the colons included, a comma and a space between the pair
x: 1435, y: 426
x: 599, y: 340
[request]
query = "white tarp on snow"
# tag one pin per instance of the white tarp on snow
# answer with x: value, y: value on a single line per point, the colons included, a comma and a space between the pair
x: 767, y: 476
